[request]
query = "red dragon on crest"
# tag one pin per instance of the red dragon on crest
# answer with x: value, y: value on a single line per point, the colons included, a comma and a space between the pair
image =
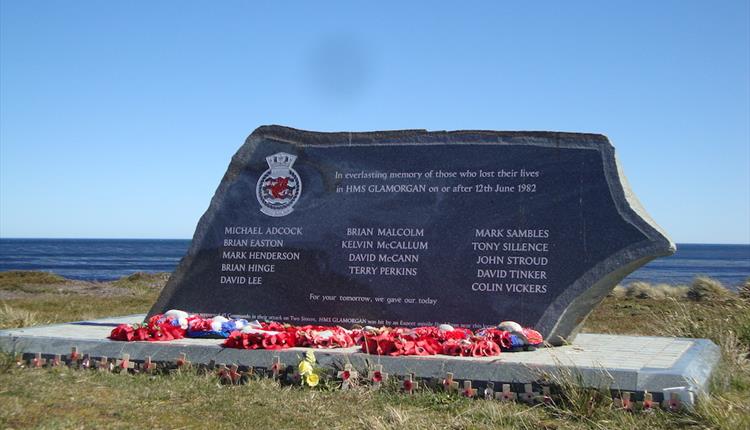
x: 279, y: 188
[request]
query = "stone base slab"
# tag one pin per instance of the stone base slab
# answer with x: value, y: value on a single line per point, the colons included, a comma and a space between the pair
x: 637, y: 364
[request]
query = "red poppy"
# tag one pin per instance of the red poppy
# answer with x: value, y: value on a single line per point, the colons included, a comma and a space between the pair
x: 171, y: 330
x: 154, y: 320
x: 500, y: 337
x: 377, y: 376
x: 123, y: 332
x: 534, y: 337
x: 200, y: 324
x: 234, y: 340
x: 456, y: 334
x: 451, y: 347
x: 430, y: 345
x: 484, y: 348
x: 270, y: 342
x: 141, y: 333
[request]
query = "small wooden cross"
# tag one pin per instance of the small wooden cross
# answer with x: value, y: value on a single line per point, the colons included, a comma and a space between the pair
x: 104, y: 365
x: 225, y: 378
x: 648, y: 402
x: 38, y: 361
x: 207, y: 368
x: 528, y: 395
x: 489, y: 391
x: 56, y: 361
x: 409, y: 384
x: 74, y: 357
x: 148, y: 365
x: 449, y: 384
x: 546, y: 396
x: 124, y: 364
x: 86, y: 362
x: 377, y: 377
x: 235, y: 374
x: 245, y: 375
x: 624, y: 402
x: 672, y: 403
x: 468, y: 391
x: 348, y: 376
x: 276, y: 367
x: 506, y: 395
x: 182, y: 361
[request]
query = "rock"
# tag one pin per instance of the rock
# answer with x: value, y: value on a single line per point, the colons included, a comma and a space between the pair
x: 405, y: 227
x: 510, y: 326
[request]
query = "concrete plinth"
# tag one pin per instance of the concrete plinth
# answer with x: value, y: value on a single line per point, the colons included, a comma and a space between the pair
x: 658, y: 365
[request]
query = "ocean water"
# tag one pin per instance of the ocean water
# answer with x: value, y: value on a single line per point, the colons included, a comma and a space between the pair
x: 730, y: 264
x: 92, y: 259
x: 108, y: 259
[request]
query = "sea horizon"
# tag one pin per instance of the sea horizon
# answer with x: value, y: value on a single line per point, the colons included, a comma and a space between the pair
x: 106, y: 259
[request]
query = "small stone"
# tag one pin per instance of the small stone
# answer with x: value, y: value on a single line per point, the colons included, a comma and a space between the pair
x: 510, y: 326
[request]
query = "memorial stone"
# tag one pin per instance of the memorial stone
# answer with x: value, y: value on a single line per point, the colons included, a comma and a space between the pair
x: 411, y: 228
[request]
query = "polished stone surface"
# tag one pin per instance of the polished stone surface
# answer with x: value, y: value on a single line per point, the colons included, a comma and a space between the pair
x: 411, y: 228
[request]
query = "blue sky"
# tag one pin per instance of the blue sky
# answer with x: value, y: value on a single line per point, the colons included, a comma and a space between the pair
x: 118, y: 119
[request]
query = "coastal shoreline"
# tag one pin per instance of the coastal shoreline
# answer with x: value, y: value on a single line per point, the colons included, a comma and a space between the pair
x: 112, y: 259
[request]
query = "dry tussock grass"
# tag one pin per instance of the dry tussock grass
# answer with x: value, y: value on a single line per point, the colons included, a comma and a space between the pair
x: 645, y: 290
x: 705, y: 288
x: 16, y: 317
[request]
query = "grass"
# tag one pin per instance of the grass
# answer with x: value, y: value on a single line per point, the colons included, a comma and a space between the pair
x: 744, y: 291
x: 30, y: 282
x: 18, y: 317
x: 143, y: 283
x: 51, y: 309
x: 644, y: 290
x: 705, y: 288
x: 16, y: 278
x: 133, y: 294
x: 64, y: 398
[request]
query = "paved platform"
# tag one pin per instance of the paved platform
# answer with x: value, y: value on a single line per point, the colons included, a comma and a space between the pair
x: 658, y: 365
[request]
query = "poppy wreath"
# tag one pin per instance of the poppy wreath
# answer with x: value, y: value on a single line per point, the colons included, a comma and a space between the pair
x: 279, y: 336
x: 260, y: 340
x: 401, y: 341
x: 398, y: 341
x: 216, y: 327
x: 157, y: 328
x: 513, y: 341
x: 447, y: 341
x: 314, y: 336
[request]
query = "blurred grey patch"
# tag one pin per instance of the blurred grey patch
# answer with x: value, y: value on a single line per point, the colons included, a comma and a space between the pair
x: 339, y: 67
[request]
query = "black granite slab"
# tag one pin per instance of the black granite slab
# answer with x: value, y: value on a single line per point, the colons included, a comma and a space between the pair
x: 414, y: 227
